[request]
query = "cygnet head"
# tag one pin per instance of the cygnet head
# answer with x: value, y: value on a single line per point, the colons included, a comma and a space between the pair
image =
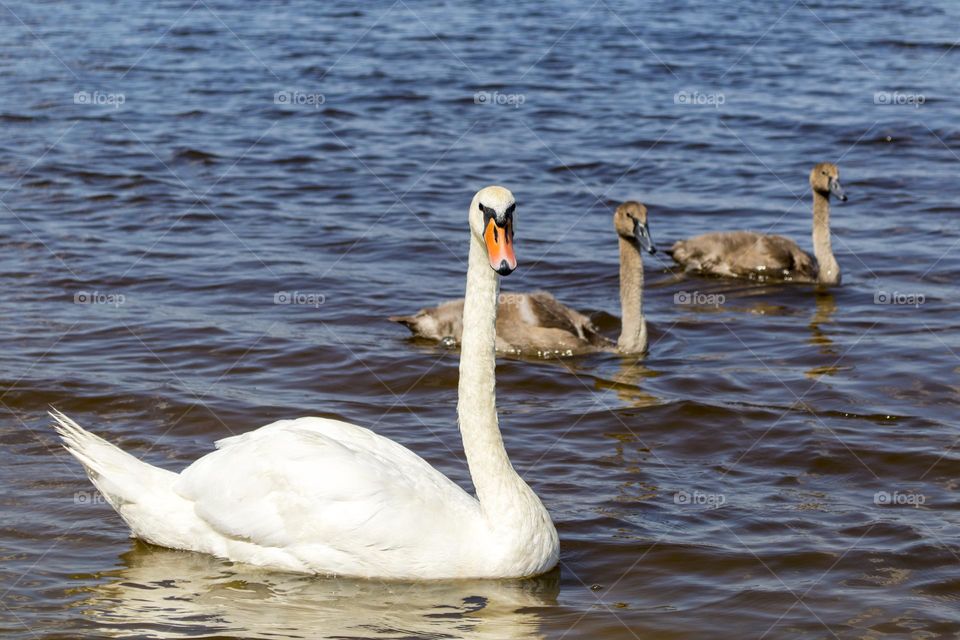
x: 825, y: 180
x: 491, y: 220
x: 630, y: 221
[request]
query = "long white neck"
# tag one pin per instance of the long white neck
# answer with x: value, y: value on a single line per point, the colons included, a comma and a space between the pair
x: 508, y: 504
x: 633, y: 327
x: 828, y: 270
x: 493, y: 475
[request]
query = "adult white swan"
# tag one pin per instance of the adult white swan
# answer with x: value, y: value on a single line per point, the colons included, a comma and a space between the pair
x: 324, y: 496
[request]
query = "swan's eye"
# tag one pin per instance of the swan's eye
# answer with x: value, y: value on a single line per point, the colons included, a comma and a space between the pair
x: 511, y: 209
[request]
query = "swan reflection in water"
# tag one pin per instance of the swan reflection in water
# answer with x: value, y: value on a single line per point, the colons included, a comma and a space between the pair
x: 820, y: 337
x: 160, y: 593
x: 628, y: 382
x: 826, y: 305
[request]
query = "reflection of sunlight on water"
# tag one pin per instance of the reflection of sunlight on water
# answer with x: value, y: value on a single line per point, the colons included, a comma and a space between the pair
x: 171, y: 594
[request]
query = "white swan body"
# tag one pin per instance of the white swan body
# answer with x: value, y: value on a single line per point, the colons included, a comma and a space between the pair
x: 323, y: 496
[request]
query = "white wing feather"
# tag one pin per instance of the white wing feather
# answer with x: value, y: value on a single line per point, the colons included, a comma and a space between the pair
x: 332, y: 495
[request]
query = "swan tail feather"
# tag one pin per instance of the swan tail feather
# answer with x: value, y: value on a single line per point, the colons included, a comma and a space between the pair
x: 120, y: 477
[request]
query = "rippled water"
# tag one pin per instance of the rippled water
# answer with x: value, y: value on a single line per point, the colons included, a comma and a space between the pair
x: 725, y: 486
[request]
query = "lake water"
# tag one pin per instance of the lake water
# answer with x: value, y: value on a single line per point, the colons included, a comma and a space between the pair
x: 782, y: 464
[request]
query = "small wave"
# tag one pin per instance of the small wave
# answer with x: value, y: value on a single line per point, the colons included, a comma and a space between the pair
x: 401, y: 97
x: 582, y: 166
x: 338, y: 113
x: 913, y: 45
x: 195, y: 156
x: 297, y: 159
x: 187, y: 31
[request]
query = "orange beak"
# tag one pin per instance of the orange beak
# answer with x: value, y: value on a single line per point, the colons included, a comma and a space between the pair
x: 500, y: 246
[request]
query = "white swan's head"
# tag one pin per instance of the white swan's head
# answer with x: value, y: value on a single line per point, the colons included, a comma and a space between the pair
x: 491, y: 220
x: 630, y: 221
x: 825, y: 179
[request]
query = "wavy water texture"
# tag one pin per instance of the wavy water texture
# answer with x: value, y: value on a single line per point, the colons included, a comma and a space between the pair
x: 209, y: 210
